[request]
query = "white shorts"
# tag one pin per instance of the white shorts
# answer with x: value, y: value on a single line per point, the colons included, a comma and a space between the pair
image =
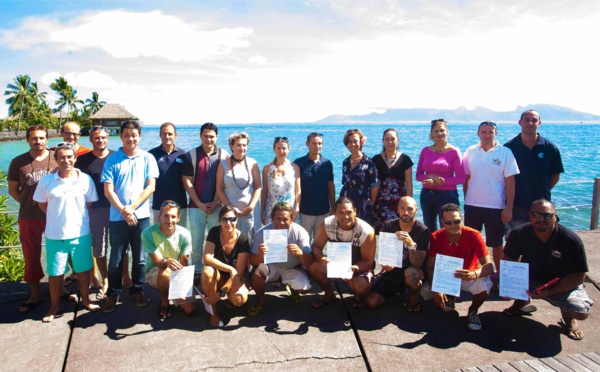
x: 477, y: 286
x: 295, y: 277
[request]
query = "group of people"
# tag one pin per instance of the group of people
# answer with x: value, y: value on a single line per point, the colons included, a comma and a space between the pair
x: 100, y: 199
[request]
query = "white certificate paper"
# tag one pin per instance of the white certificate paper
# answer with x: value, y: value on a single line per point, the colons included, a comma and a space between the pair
x: 340, y: 260
x: 207, y: 307
x: 391, y: 250
x: 182, y: 282
x: 276, y: 241
x: 443, y: 275
x: 514, y: 280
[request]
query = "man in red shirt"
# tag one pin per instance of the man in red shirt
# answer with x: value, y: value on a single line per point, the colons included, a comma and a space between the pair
x: 460, y: 241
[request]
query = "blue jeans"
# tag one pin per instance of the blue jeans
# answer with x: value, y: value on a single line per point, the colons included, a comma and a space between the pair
x: 431, y: 205
x: 122, y: 236
x: 200, y: 222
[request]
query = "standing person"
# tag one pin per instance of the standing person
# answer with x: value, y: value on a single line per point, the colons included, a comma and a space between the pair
x: 199, y: 174
x: 24, y: 173
x: 70, y: 132
x: 456, y: 240
x: 359, y: 176
x: 415, y: 237
x: 65, y: 196
x: 540, y: 166
x: 168, y: 245
x: 394, y: 170
x: 552, y: 251
x: 489, y: 188
x: 440, y: 170
x: 316, y: 180
x: 281, y: 182
x: 169, y: 184
x: 238, y: 183
x: 129, y: 176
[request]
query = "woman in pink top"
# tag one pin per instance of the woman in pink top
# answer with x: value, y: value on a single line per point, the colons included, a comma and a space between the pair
x: 440, y: 169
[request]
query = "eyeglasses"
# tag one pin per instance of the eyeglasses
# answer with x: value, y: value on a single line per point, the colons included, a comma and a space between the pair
x: 64, y: 144
x: 99, y: 127
x: 280, y: 139
x: 490, y: 123
x: 169, y: 202
x: 71, y: 134
x: 546, y: 216
x: 228, y: 219
x: 456, y: 222
x: 315, y: 134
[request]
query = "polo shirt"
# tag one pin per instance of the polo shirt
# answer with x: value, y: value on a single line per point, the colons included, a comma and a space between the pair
x: 314, y: 183
x: 169, y: 185
x: 470, y: 246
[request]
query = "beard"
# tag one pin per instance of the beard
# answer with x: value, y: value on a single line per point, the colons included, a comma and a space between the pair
x: 407, y: 219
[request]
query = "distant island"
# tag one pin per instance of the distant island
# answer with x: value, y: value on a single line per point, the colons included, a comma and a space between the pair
x: 549, y: 113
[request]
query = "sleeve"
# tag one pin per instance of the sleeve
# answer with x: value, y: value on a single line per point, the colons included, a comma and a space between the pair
x: 433, y: 246
x: 465, y: 161
x: 107, y: 171
x: 556, y: 166
x: 420, y: 176
x: 512, y: 250
x: 13, y: 171
x: 148, y: 242
x: 244, y: 245
x: 92, y: 194
x: 40, y: 195
x: 153, y: 171
x: 407, y: 162
x: 511, y: 168
x: 480, y: 247
x: 213, y: 235
x: 373, y: 177
x: 457, y: 167
x: 187, y: 168
x: 186, y: 242
x: 303, y: 240
x: 423, y: 240
x: 330, y: 170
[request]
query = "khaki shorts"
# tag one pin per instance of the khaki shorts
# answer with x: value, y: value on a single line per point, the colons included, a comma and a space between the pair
x: 152, y: 280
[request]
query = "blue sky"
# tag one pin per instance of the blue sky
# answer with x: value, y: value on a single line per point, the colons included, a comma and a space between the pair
x: 297, y: 61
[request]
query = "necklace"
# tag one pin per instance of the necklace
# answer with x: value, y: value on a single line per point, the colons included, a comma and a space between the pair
x: 233, y: 172
x: 238, y: 160
x: 440, y: 150
x: 390, y: 160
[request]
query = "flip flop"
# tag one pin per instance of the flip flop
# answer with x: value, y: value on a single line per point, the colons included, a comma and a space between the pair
x: 28, y: 306
x: 254, y: 310
x: 100, y: 295
x: 572, y: 333
x: 416, y: 308
x: 164, y: 312
x: 294, y: 296
x: 359, y: 304
x: 525, y: 310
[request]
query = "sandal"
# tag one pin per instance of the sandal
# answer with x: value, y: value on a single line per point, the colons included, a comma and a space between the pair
x: 416, y: 308
x: 294, y: 296
x: 525, y: 310
x: 572, y: 331
x: 359, y: 304
x: 254, y: 310
x: 28, y: 306
x: 164, y: 312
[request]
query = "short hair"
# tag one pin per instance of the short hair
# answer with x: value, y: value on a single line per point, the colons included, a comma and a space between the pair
x: 130, y: 124
x: 541, y: 202
x: 343, y: 200
x: 434, y: 123
x: 64, y: 146
x: 166, y: 125
x: 62, y: 128
x: 281, y: 206
x: 351, y: 132
x: 34, y: 128
x: 170, y: 204
x: 225, y: 209
x: 313, y: 135
x: 237, y: 136
x: 209, y: 126
x: 450, y: 207
x: 526, y: 111
x: 391, y: 130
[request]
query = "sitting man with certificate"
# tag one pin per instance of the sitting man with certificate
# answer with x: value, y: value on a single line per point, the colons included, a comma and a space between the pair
x: 414, y: 238
x: 455, y: 242
x: 280, y: 251
x: 552, y: 252
x: 168, y: 245
x: 356, y: 238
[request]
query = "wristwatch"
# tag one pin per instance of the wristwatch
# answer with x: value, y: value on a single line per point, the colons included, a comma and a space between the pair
x: 164, y: 262
x: 223, y: 294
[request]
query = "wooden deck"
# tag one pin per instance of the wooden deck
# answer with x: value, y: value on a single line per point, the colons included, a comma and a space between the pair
x: 576, y: 362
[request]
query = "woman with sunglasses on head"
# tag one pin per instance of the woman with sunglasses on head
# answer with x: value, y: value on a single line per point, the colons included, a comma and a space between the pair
x: 359, y: 176
x: 238, y: 183
x: 439, y: 170
x: 281, y: 181
x: 226, y: 254
x: 394, y: 170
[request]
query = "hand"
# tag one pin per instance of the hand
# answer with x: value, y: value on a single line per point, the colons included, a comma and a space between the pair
x: 324, y: 260
x: 173, y: 265
x: 387, y: 268
x: 131, y: 220
x: 237, y: 211
x: 294, y: 249
x: 427, y: 182
x: 506, y: 215
x: 404, y: 237
x: 538, y: 295
x: 246, y: 211
x: 355, y: 268
x: 440, y: 299
x: 236, y: 283
x: 262, y: 250
x: 211, y: 207
x: 438, y: 181
x: 465, y: 274
x: 127, y: 211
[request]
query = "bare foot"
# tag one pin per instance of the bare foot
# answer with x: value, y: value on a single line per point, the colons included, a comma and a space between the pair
x: 215, y: 321
x: 127, y: 283
x: 91, y: 306
x: 50, y: 315
x: 572, y: 329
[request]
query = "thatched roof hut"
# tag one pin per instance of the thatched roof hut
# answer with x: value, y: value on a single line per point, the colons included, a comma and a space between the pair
x: 112, y: 116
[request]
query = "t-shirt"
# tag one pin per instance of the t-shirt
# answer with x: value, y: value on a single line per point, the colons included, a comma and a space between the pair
x: 314, y: 183
x: 28, y: 172
x: 357, y: 235
x: 175, y: 246
x: 488, y: 171
x: 241, y: 246
x: 129, y: 175
x: 562, y: 254
x: 420, y: 234
x: 204, y: 174
x: 296, y: 235
x: 535, y: 166
x: 67, y: 216
x: 92, y: 165
x: 447, y: 165
x: 397, y: 170
x: 470, y: 246
x: 169, y: 185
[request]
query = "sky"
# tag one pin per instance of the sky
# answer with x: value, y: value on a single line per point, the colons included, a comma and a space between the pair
x: 254, y: 61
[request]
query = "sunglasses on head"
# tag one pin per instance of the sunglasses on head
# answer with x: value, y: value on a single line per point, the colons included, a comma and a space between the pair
x: 315, y: 134
x: 438, y: 120
x: 169, y: 202
x: 64, y: 144
x: 99, y: 127
x: 455, y: 222
x: 280, y: 139
x: 228, y: 219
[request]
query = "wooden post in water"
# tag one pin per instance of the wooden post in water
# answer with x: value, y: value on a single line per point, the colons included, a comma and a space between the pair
x: 595, y: 204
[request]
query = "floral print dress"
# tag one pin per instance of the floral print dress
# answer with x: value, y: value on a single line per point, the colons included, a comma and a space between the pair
x: 392, y: 187
x: 357, y: 183
x: 281, y: 188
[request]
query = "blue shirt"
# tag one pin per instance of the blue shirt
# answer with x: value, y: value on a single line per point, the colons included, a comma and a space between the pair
x: 129, y: 176
x: 169, y: 185
x: 314, y: 183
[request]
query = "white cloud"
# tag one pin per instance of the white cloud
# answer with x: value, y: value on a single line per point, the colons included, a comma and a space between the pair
x: 259, y: 60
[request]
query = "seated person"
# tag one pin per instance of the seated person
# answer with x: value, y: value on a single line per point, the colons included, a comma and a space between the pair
x: 344, y: 226
x: 226, y: 253
x: 291, y: 273
x: 168, y: 245
x: 552, y: 251
x: 460, y: 241
x: 415, y: 237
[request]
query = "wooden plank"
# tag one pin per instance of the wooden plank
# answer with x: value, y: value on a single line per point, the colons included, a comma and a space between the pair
x: 538, y: 365
x: 572, y: 364
x: 556, y: 365
x: 505, y: 367
x: 585, y: 361
x: 470, y: 369
x: 488, y: 368
x: 593, y: 356
x: 522, y: 366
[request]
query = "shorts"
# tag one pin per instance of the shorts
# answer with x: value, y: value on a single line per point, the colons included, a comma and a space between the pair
x: 576, y: 300
x: 312, y: 223
x: 477, y: 286
x: 99, y: 218
x: 58, y: 253
x: 295, y: 277
x: 478, y: 217
x: 152, y: 280
x: 365, y: 274
x: 389, y: 283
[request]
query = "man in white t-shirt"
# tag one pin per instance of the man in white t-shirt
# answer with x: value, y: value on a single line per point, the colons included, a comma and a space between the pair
x: 65, y: 197
x: 489, y: 188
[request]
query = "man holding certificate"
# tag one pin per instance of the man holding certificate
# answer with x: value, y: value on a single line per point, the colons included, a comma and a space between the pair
x: 355, y: 237
x: 280, y: 251
x: 168, y: 245
x: 552, y: 252
x: 466, y: 244
x: 414, y: 237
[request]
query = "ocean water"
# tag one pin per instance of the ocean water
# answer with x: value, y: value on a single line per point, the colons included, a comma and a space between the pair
x: 577, y: 143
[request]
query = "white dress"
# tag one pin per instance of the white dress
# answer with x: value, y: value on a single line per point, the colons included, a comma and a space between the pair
x: 281, y: 188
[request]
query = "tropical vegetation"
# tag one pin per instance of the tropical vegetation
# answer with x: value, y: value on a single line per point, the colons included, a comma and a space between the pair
x: 12, y: 264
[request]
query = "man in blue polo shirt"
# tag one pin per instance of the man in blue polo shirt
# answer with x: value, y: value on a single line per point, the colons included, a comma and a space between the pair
x: 540, y: 166
x: 316, y: 183
x: 169, y: 185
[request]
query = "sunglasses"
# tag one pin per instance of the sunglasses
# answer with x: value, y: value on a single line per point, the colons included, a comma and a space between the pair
x: 546, y: 216
x: 280, y: 139
x: 315, y: 134
x: 490, y: 123
x: 455, y: 222
x: 99, y: 127
x: 169, y: 202
x: 64, y: 144
x: 228, y: 219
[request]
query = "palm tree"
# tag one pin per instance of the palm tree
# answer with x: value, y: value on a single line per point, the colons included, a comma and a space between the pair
x: 18, y: 92
x: 61, y: 87
x: 94, y: 104
x: 34, y: 99
x: 72, y: 100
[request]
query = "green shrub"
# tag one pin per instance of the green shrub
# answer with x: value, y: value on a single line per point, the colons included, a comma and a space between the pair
x: 12, y: 264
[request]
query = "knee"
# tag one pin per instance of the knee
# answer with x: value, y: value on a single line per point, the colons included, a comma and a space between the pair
x: 237, y: 299
x: 189, y: 308
x: 374, y: 300
x: 360, y: 285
